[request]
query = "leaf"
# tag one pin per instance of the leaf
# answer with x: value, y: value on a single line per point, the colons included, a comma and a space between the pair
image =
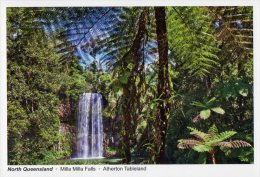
x: 187, y: 143
x: 243, y: 92
x: 246, y: 155
x: 213, y: 130
x: 211, y: 101
x: 198, y: 104
x: 220, y: 137
x: 202, y: 148
x: 239, y: 143
x: 202, y: 158
x: 204, y: 114
x: 105, y: 77
x: 226, y: 150
x: 120, y: 92
x: 225, y: 144
x: 218, y: 110
x: 198, y: 134
x: 234, y: 144
x: 124, y: 78
x: 130, y: 66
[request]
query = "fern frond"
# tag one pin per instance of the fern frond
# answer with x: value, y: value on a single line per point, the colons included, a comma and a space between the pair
x: 234, y: 144
x: 187, y: 143
x: 199, y: 134
x: 191, y: 40
x: 202, y: 148
x: 220, y: 137
x: 234, y: 30
x: 213, y: 130
x: 225, y: 144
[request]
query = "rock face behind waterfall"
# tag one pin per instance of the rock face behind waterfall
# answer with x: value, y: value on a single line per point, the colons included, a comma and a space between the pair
x: 90, y: 126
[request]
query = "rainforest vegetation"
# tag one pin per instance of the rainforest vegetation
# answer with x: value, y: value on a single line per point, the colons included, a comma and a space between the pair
x: 176, y: 83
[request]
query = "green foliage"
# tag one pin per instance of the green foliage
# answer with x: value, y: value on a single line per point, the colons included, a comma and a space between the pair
x: 207, y: 142
x: 216, y: 139
x: 208, y: 107
x: 34, y: 99
x: 191, y: 39
x: 204, y: 114
x: 218, y: 110
x: 213, y: 130
x: 124, y: 78
x: 210, y: 56
x: 202, y: 148
x: 235, y: 88
x: 198, y: 134
x: 37, y: 82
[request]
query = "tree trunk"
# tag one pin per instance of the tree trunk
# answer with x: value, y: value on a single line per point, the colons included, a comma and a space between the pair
x: 126, y: 136
x: 213, y: 158
x: 163, y: 83
x: 130, y: 95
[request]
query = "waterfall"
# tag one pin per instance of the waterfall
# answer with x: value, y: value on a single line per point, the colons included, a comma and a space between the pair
x: 90, y: 126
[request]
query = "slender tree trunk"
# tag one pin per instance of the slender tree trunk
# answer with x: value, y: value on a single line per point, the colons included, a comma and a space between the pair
x: 213, y: 158
x: 130, y: 95
x: 163, y: 83
x: 126, y: 134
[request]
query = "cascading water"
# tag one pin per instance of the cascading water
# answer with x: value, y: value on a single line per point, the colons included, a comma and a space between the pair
x: 90, y: 126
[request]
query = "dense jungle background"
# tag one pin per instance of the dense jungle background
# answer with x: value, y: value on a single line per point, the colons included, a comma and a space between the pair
x: 176, y: 83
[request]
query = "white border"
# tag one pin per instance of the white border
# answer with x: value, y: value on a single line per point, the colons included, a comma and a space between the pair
x: 251, y: 170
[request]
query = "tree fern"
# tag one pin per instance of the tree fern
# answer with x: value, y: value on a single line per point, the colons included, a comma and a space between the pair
x: 234, y: 30
x: 207, y: 142
x: 191, y: 40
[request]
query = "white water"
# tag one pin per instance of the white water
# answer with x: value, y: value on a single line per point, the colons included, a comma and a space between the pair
x: 90, y: 127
